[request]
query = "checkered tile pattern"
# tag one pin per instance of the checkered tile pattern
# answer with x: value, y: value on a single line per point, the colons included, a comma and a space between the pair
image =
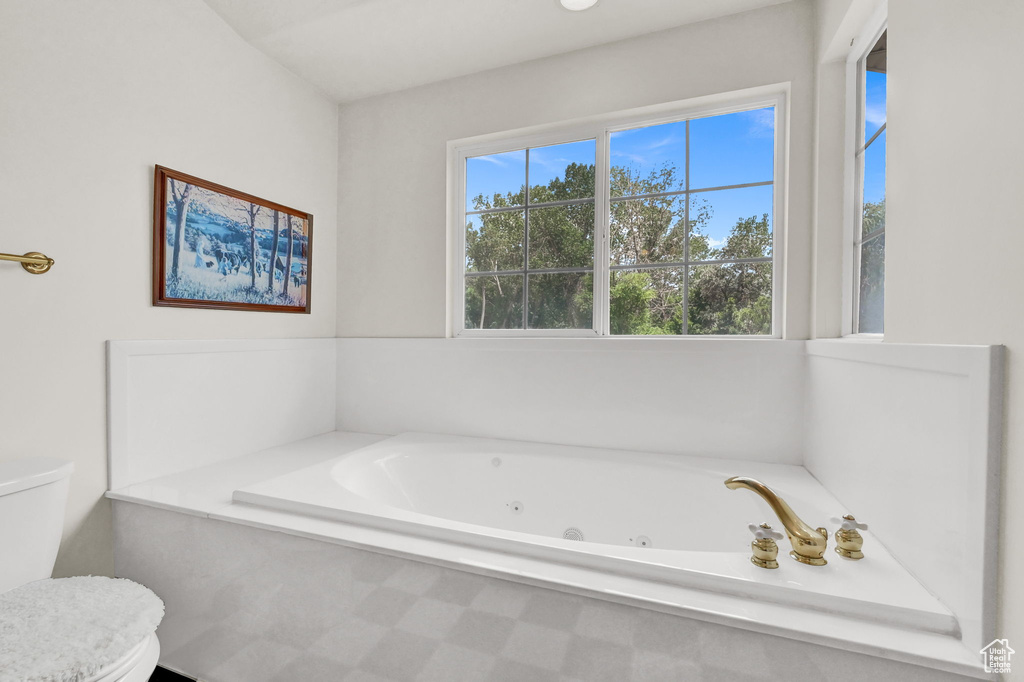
x: 246, y: 605
x: 413, y: 621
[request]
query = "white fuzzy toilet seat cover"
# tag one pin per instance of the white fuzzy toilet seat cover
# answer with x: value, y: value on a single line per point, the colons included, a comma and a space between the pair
x: 69, y: 629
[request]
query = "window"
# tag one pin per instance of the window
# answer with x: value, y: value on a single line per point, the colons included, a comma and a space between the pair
x: 627, y: 227
x: 869, y: 225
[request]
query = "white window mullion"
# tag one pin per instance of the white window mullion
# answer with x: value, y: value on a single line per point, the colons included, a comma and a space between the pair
x: 526, y: 246
x: 858, y: 232
x: 686, y: 236
x: 858, y: 190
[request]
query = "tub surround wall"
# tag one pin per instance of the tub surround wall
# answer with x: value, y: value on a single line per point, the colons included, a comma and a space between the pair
x: 250, y: 604
x: 95, y: 94
x: 868, y: 419
x: 178, y: 405
x: 655, y: 395
x: 909, y: 438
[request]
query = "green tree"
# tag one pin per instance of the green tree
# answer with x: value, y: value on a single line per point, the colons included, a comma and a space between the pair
x: 734, y: 298
x: 646, y: 302
x: 647, y: 230
x: 871, y: 310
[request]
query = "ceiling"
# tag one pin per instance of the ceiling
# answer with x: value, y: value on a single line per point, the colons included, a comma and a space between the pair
x: 352, y: 49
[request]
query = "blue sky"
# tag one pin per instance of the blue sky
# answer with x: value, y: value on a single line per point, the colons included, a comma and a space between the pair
x: 731, y: 149
x: 874, y: 117
x: 874, y: 109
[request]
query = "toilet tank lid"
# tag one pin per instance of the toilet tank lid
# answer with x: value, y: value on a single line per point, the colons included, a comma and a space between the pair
x: 30, y: 472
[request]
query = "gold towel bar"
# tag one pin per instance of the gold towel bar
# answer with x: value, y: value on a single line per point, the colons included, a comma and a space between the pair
x: 33, y: 261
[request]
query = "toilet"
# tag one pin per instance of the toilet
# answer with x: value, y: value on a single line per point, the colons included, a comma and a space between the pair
x: 81, y: 629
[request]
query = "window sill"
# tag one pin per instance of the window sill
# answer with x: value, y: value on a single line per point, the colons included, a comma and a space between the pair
x: 504, y: 336
x: 854, y: 338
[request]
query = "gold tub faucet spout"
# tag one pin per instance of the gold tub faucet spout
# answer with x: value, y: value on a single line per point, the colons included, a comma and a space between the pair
x: 809, y: 544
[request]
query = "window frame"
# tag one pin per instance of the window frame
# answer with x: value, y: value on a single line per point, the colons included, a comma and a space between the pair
x: 856, y: 105
x: 600, y: 129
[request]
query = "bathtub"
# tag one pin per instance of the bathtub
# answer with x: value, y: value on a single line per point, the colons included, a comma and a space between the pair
x: 665, y: 519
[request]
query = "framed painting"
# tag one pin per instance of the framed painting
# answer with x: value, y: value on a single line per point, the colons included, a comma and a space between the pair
x: 216, y: 247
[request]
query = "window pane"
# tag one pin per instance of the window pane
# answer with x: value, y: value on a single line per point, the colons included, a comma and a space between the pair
x: 731, y: 223
x: 730, y: 299
x: 494, y: 241
x: 647, y: 302
x: 732, y: 149
x: 871, y: 248
x: 562, y: 301
x: 647, y: 230
x: 648, y: 160
x: 562, y: 171
x: 495, y: 180
x: 494, y: 302
x: 562, y: 237
x: 874, y: 103
x: 872, y: 286
x: 874, y: 184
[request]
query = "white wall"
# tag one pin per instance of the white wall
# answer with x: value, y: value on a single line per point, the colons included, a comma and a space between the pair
x: 829, y: 148
x: 837, y: 22
x: 953, y: 228
x: 953, y: 178
x: 180, y: 405
x: 92, y: 94
x: 741, y: 399
x: 392, y: 254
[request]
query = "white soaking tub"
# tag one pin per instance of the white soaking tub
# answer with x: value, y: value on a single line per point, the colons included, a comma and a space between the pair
x: 667, y: 519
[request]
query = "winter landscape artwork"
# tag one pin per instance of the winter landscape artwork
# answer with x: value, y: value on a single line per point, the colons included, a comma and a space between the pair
x: 216, y: 247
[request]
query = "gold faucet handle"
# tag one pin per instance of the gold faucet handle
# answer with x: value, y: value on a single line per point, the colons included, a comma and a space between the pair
x: 764, y: 551
x: 764, y: 531
x: 849, y: 542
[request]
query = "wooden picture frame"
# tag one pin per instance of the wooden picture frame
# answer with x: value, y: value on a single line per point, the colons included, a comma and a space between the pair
x: 229, y: 250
